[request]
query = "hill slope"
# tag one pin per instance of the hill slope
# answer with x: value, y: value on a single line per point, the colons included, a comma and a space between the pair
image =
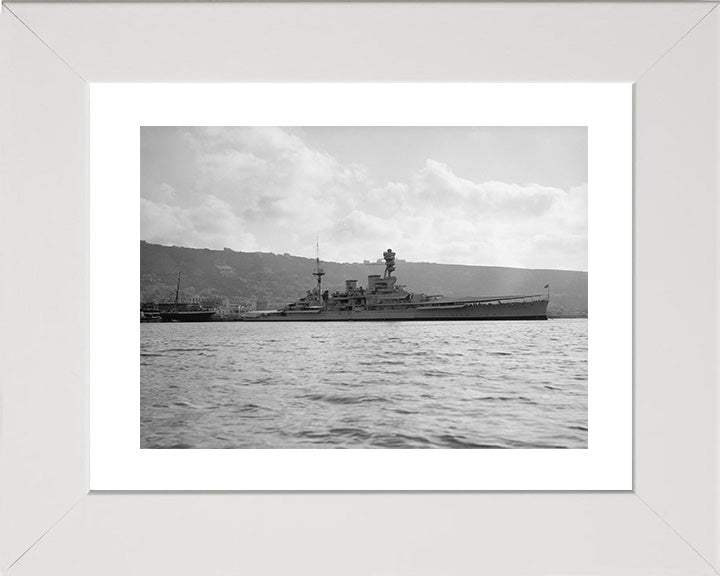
x: 219, y: 276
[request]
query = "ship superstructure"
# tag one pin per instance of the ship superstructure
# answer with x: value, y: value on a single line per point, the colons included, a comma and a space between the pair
x: 384, y: 299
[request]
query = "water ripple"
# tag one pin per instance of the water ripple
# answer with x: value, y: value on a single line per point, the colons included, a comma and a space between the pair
x: 365, y: 385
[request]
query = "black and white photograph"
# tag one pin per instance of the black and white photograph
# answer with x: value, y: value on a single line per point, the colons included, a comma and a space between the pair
x: 364, y: 287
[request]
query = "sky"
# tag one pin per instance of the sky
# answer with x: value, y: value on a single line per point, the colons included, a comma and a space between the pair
x: 496, y: 196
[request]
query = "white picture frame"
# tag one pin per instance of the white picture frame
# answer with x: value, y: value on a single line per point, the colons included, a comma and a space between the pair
x: 49, y: 523
x: 118, y: 111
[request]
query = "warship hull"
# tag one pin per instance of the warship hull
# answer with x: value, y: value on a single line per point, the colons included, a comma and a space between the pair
x: 384, y: 299
x: 525, y: 309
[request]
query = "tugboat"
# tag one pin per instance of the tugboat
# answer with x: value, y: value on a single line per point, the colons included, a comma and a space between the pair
x: 175, y: 311
x: 384, y: 299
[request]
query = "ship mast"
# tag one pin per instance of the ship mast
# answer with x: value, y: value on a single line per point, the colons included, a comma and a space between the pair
x: 177, y: 290
x: 319, y: 272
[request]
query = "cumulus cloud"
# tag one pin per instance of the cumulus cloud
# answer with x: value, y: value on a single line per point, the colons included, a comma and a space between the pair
x: 209, y: 223
x: 267, y: 189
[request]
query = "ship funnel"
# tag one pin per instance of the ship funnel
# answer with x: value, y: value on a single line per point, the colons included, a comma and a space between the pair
x: 350, y: 285
x: 372, y: 280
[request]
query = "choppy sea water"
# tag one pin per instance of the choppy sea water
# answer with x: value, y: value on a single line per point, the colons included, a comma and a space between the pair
x: 365, y: 385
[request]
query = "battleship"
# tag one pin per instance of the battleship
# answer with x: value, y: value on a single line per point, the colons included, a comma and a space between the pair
x: 175, y: 311
x: 384, y: 299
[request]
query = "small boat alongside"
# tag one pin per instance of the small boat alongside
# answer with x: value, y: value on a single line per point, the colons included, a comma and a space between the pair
x: 175, y: 311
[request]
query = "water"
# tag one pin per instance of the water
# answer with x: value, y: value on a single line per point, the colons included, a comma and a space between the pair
x: 364, y: 385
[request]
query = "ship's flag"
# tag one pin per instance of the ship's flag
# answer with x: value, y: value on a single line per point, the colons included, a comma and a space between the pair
x: 546, y: 286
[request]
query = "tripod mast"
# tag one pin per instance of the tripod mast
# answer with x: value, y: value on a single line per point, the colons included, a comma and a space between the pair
x: 319, y: 272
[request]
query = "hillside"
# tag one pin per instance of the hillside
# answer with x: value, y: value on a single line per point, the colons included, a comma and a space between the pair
x: 229, y: 278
